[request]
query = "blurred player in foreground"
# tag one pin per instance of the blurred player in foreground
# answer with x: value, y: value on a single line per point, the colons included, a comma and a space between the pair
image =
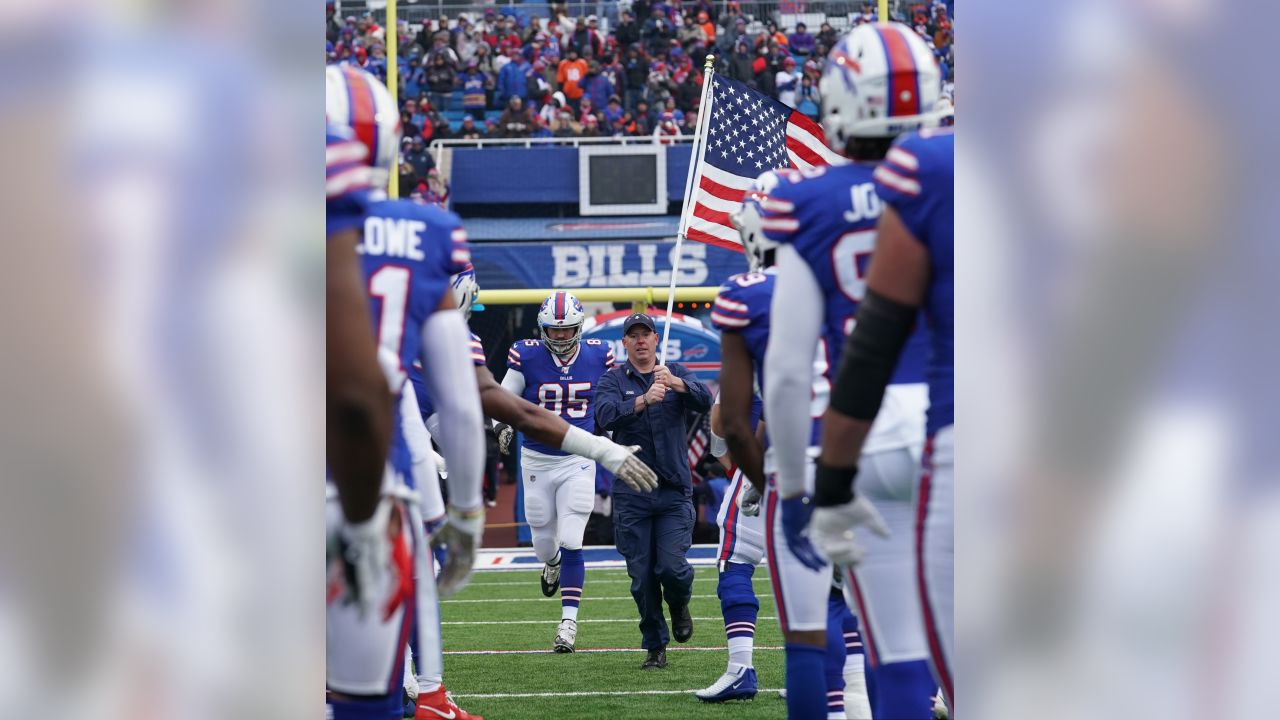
x: 558, y: 371
x: 408, y: 253
x: 879, y: 81
x: 742, y: 313
x: 913, y: 268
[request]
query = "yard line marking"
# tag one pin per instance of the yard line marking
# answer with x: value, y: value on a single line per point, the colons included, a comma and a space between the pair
x: 588, y: 621
x: 556, y: 599
x: 592, y: 693
x: 600, y: 650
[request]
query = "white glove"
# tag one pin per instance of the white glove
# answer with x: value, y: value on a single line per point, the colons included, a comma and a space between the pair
x: 366, y: 554
x: 461, y: 536
x: 749, y: 501
x: 831, y: 529
x: 441, y: 467
x: 505, y: 436
x: 623, y: 463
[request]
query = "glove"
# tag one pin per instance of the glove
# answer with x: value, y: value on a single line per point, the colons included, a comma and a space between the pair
x: 795, y: 526
x: 505, y: 436
x: 832, y: 529
x: 749, y: 501
x: 461, y: 535
x: 366, y: 557
x: 442, y: 468
x: 623, y: 463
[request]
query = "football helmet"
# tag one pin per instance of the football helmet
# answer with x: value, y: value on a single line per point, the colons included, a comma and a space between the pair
x: 880, y: 80
x: 750, y: 222
x: 358, y: 100
x: 561, y: 310
x: 466, y: 291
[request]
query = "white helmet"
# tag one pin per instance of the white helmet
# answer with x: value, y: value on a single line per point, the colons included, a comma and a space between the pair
x: 749, y: 220
x: 562, y: 310
x: 466, y: 291
x: 880, y: 80
x: 358, y: 100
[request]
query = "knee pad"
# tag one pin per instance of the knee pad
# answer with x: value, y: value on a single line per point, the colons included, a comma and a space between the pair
x: 734, y: 588
x: 537, y: 511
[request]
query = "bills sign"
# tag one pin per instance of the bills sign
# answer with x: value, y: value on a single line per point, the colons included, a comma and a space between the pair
x: 569, y: 265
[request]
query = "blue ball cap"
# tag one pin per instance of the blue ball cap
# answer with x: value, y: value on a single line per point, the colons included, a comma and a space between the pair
x: 638, y: 319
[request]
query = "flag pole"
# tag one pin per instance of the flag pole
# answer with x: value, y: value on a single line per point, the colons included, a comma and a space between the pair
x: 695, y: 171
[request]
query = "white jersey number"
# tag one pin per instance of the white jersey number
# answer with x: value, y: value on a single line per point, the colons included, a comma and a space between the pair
x: 390, y: 284
x: 568, y: 400
x: 851, y: 255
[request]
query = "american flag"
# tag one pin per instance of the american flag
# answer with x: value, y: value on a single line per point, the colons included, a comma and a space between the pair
x: 747, y: 133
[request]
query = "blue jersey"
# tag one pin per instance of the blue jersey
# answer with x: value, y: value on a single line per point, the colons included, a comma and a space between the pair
x: 742, y: 306
x: 347, y: 179
x: 917, y: 181
x: 565, y: 389
x: 829, y: 214
x: 425, y: 404
x: 408, y: 253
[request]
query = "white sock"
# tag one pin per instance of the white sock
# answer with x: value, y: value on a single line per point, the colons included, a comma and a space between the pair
x: 429, y: 684
x: 410, y: 682
x: 740, y: 651
x: 568, y: 612
x: 857, y: 705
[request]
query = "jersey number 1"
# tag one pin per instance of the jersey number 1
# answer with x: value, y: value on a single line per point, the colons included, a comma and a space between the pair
x: 390, y: 284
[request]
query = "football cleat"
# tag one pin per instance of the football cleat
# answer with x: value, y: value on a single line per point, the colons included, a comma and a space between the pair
x: 739, y: 685
x: 566, y: 636
x: 550, y: 578
x: 439, y: 705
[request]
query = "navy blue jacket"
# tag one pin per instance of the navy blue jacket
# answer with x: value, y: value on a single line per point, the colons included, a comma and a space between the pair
x: 659, y: 429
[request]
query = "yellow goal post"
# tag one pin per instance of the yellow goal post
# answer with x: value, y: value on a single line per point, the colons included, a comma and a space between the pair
x: 639, y: 297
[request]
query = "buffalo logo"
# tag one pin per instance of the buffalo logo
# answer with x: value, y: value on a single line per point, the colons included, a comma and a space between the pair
x: 697, y: 351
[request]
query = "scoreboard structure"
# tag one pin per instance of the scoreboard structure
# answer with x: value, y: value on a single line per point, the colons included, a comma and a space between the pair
x: 622, y: 180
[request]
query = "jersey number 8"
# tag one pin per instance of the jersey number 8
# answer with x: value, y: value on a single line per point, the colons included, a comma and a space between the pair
x: 552, y: 396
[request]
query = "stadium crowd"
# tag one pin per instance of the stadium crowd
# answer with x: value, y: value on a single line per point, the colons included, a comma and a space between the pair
x: 520, y: 76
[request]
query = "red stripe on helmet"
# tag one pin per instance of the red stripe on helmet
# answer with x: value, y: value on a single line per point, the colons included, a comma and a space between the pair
x: 560, y: 306
x: 363, y: 111
x: 904, y: 82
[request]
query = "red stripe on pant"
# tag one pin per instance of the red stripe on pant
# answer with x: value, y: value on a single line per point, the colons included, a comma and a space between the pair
x: 774, y: 574
x: 869, y: 644
x: 730, y: 521
x: 936, y: 658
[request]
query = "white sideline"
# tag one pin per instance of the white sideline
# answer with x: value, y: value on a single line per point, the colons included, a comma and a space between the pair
x: 594, y: 693
x: 557, y: 599
x: 586, y: 622
x: 599, y: 650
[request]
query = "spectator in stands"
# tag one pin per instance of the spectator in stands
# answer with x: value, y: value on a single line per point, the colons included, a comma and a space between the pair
x: 808, y: 101
x: 437, y: 190
x: 586, y: 38
x: 659, y: 83
x: 801, y: 42
x: 628, y: 30
x: 613, y: 113
x: 689, y: 93
x: 417, y: 155
x: 513, y: 81
x: 707, y: 27
x: 690, y: 34
x: 516, y: 121
x: 533, y: 32
x: 657, y: 31
x: 644, y: 119
x: 564, y: 125
x: 408, y: 175
x: 827, y: 35
x: 440, y: 48
x: 729, y: 21
x: 596, y: 87
x: 550, y: 109
x: 440, y: 80
x: 473, y: 84
x: 465, y: 41
x: 331, y: 27
x: 413, y: 77
x: 739, y: 65
x: 766, y: 65
x: 690, y: 125
x: 540, y: 128
x: 591, y: 127
x: 570, y: 74
x: 635, y: 71
x: 408, y: 126
x: 484, y: 58
x: 669, y: 106
x: 469, y: 130
x: 539, y: 81
x: 667, y: 129
x: 787, y: 81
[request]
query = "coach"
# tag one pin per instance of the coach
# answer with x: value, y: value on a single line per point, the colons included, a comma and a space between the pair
x: 644, y: 403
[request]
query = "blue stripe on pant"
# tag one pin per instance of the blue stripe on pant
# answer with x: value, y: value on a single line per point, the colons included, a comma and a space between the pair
x: 653, y: 531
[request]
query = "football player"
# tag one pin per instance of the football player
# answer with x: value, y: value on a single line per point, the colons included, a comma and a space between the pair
x: 553, y: 432
x: 879, y: 81
x: 742, y: 313
x: 558, y: 371
x: 407, y: 253
x: 913, y: 268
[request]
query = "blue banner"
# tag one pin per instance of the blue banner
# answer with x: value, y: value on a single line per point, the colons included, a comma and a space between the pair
x: 691, y: 343
x: 566, y: 265
x: 536, y: 175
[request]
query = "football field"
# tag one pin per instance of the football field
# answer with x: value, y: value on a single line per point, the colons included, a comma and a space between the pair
x: 498, y: 660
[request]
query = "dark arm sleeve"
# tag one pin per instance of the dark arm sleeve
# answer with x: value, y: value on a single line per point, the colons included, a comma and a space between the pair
x: 699, y: 396
x: 613, y: 410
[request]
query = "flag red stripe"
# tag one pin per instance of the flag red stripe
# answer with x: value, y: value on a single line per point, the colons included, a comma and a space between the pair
x: 711, y: 187
x: 804, y: 152
x: 702, y: 237
x: 714, y: 216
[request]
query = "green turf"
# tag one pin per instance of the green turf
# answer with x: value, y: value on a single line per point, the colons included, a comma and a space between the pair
x: 471, y: 677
